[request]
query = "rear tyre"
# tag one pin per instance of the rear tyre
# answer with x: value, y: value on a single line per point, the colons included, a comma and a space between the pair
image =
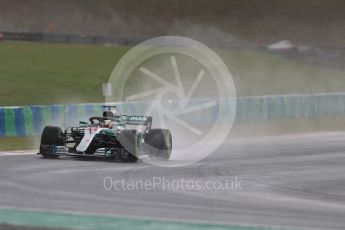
x: 158, y: 143
x: 129, y: 141
x: 51, y: 136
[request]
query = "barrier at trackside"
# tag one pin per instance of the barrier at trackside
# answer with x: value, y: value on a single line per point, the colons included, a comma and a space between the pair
x: 30, y: 120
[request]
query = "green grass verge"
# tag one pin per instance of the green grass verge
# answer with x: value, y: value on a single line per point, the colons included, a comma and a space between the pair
x: 46, y: 73
x: 18, y: 143
x: 74, y: 221
x: 258, y: 73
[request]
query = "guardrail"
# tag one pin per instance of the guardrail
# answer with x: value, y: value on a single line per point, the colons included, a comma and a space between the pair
x: 75, y: 38
x: 30, y: 120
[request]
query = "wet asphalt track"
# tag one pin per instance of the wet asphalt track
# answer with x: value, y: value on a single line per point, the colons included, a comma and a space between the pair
x: 288, y: 181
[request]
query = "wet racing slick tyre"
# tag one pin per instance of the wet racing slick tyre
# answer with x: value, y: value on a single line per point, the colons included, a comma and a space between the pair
x: 51, y: 136
x: 158, y: 143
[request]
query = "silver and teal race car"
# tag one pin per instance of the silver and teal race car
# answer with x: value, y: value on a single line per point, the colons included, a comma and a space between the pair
x: 112, y: 136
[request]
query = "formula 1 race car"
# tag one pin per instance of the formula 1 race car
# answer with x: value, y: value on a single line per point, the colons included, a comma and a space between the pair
x: 111, y: 135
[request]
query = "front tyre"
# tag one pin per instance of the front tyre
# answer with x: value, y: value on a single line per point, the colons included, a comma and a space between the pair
x: 51, y: 136
x: 159, y: 143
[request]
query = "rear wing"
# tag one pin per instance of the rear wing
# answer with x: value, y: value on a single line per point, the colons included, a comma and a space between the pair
x: 139, y: 120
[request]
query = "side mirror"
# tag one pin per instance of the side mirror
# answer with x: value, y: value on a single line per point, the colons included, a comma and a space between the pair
x: 81, y: 123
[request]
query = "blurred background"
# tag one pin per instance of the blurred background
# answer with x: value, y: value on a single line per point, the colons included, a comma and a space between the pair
x: 286, y: 57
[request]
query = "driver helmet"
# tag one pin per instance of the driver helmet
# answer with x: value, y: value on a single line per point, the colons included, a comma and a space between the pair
x: 106, y: 124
